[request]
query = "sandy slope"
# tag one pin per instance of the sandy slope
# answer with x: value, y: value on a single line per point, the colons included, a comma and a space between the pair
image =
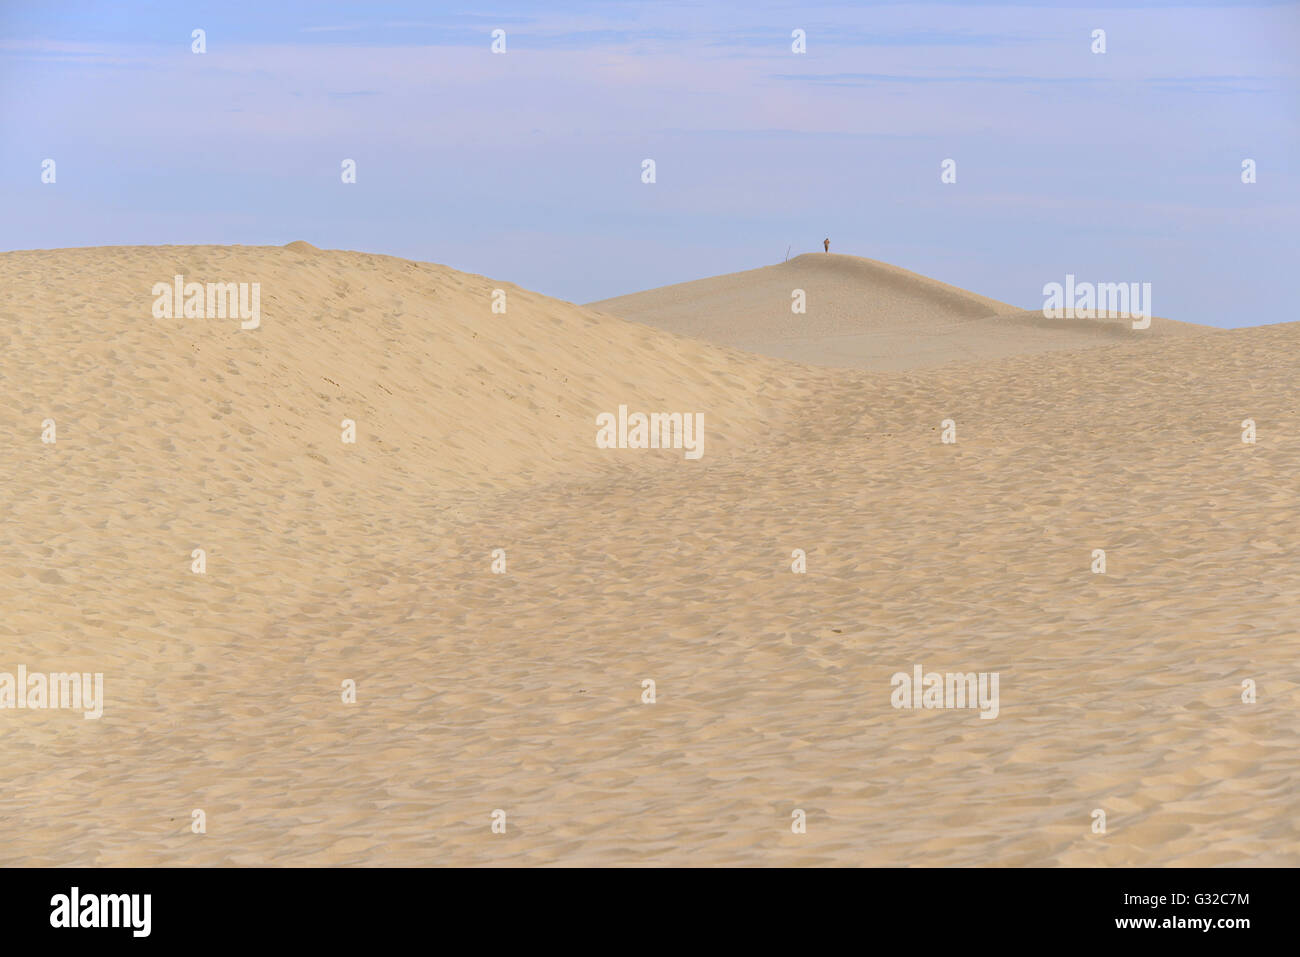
x: 864, y: 314
x: 522, y: 691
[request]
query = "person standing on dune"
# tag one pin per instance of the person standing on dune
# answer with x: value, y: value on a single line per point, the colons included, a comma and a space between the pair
x: 827, y: 243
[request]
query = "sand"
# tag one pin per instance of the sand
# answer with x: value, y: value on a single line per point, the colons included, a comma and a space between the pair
x: 523, y: 691
x: 865, y: 314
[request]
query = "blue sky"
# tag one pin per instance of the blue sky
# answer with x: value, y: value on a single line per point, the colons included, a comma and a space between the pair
x: 1124, y: 166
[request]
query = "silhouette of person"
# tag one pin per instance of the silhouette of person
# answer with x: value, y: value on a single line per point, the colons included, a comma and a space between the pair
x: 827, y: 243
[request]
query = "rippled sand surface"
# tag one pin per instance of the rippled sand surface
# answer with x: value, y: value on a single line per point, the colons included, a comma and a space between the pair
x: 523, y: 691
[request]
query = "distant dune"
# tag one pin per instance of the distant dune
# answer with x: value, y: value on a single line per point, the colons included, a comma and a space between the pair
x: 525, y: 690
x: 864, y: 314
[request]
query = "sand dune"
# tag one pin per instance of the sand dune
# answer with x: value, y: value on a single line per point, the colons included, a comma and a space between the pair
x: 865, y: 314
x: 440, y: 386
x: 523, y: 691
